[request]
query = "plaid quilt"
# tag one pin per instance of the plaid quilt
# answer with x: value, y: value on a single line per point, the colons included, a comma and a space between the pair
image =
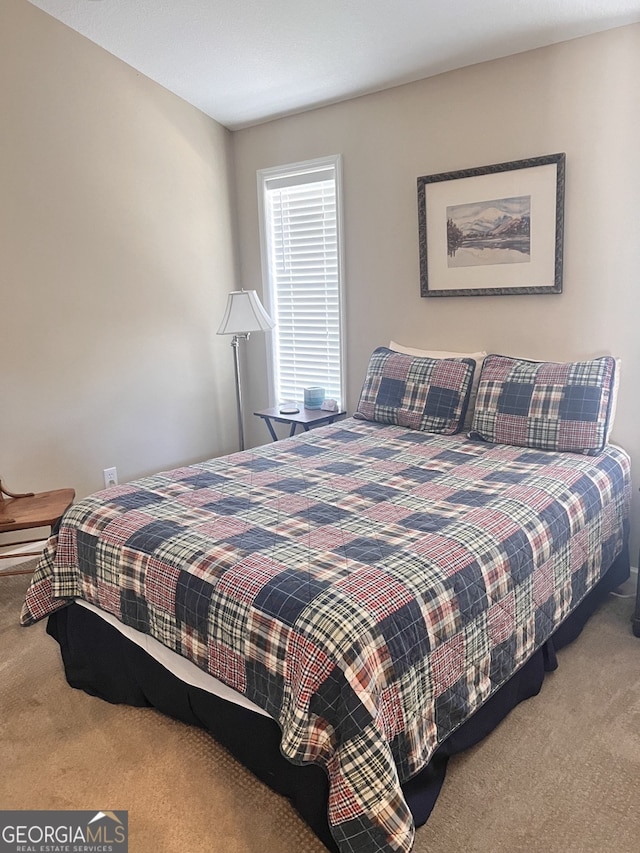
x: 369, y: 586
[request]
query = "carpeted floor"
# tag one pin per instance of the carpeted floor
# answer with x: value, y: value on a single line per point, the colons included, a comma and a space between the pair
x: 560, y: 775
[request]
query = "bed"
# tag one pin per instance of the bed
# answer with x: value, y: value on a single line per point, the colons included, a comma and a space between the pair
x: 376, y: 593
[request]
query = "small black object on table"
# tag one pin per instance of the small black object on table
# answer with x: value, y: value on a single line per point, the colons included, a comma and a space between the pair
x: 305, y: 417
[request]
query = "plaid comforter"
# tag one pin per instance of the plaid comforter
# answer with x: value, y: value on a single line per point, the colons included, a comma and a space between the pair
x: 369, y: 586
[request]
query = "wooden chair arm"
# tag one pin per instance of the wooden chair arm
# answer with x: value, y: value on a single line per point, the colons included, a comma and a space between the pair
x: 9, y: 494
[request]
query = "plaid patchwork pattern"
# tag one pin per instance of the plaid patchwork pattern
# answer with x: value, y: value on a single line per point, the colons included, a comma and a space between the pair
x: 545, y: 405
x: 429, y: 394
x: 368, y: 613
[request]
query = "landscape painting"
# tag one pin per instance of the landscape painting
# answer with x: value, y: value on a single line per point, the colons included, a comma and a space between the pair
x: 493, y: 230
x: 489, y: 232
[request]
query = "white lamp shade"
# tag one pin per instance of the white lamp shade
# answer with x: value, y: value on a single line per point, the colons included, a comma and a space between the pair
x: 244, y: 313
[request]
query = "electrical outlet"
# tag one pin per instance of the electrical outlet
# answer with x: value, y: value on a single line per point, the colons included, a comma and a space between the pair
x: 110, y: 477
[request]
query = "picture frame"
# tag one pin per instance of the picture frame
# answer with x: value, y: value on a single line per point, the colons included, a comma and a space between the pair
x: 493, y: 230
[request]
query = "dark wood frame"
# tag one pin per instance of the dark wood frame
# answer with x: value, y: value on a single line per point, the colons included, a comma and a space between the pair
x: 430, y: 288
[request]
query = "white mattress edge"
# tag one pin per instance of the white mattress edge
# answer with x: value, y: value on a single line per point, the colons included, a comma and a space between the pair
x: 182, y: 668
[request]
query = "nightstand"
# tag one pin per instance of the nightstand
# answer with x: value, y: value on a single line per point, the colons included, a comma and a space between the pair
x: 305, y: 417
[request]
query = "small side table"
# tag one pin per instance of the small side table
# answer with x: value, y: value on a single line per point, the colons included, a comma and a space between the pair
x: 305, y: 417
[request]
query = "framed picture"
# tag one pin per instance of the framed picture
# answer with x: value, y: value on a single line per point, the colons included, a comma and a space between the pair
x: 493, y: 230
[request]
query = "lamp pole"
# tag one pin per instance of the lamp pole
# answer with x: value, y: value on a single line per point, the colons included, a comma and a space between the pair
x: 235, y: 343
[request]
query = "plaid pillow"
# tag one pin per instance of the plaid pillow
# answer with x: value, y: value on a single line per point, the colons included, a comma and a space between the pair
x: 545, y: 405
x: 478, y: 357
x: 429, y: 394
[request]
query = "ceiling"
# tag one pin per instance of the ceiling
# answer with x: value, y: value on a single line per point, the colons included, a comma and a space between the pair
x: 246, y: 61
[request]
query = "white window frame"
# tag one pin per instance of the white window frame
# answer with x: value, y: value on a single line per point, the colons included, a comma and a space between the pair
x: 304, y: 170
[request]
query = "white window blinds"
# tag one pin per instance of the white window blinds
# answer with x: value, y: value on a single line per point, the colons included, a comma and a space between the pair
x: 302, y: 266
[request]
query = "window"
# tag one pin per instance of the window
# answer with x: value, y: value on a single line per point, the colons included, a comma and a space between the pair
x: 301, y: 261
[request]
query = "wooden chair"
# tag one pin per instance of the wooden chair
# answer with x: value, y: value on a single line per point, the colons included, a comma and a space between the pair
x: 28, y: 511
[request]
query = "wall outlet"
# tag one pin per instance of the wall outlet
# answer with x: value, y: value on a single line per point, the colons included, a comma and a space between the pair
x: 110, y: 477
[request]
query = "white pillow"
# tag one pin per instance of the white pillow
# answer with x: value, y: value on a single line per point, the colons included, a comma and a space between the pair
x: 478, y: 357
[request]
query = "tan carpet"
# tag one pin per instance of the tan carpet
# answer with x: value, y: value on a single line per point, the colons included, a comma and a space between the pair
x: 560, y: 775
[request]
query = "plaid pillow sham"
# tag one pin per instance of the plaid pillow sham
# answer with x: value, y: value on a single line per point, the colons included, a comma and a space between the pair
x: 478, y: 357
x: 428, y: 394
x: 545, y: 405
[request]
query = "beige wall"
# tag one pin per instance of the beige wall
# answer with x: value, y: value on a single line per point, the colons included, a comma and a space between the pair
x: 116, y: 253
x: 580, y: 97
